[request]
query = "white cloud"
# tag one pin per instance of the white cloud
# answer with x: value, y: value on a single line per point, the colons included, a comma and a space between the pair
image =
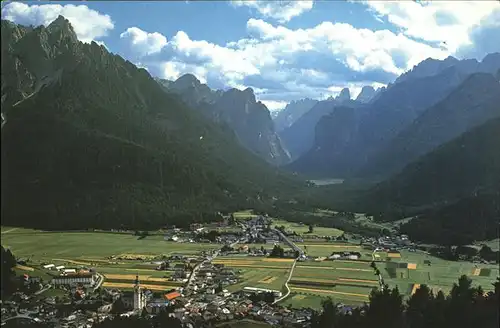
x: 273, y: 105
x: 280, y: 10
x: 283, y: 64
x: 359, y: 49
x: 437, y: 21
x: 172, y: 70
x: 89, y: 25
x: 144, y: 43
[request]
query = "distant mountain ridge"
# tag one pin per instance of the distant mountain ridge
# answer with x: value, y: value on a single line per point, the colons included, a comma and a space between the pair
x: 387, y: 115
x: 250, y: 119
x: 292, y: 112
x: 299, y: 137
x: 474, y: 102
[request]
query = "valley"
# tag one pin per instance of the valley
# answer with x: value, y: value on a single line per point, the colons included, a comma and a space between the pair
x: 175, y: 182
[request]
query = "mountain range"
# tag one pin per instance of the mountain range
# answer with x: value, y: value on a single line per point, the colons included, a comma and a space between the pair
x: 238, y: 109
x: 406, y: 102
x: 90, y: 140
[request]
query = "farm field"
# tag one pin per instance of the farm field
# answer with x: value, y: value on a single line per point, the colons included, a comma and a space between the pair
x: 99, y: 245
x: 261, y: 272
x: 439, y: 275
x: 351, y: 281
x: 319, y: 249
x: 304, y: 229
x: 94, y: 249
x: 244, y: 214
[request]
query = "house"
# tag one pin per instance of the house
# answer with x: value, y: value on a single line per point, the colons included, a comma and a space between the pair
x: 171, y: 296
x: 155, y: 306
x: 87, y: 279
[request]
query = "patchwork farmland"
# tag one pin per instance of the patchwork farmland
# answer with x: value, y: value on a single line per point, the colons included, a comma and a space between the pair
x: 260, y: 272
x: 119, y: 257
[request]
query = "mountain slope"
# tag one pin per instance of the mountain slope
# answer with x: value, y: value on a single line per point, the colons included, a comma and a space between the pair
x: 334, y: 132
x: 299, y: 137
x: 93, y: 141
x: 250, y: 119
x: 292, y: 112
x: 366, y: 95
x: 389, y: 113
x: 457, y: 169
x: 470, y: 219
x: 474, y: 102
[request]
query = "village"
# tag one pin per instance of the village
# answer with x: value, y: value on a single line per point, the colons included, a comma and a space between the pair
x: 214, y: 285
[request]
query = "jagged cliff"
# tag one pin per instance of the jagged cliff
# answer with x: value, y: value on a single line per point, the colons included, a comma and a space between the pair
x: 238, y: 109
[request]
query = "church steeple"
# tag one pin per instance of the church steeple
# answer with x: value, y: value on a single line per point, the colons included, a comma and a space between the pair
x: 136, y: 281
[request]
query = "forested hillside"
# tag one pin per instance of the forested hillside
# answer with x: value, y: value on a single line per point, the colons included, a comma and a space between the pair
x: 93, y: 141
x: 457, y: 169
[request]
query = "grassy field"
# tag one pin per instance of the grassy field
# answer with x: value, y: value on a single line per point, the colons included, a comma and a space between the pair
x: 88, y: 245
x: 346, y: 281
x: 94, y: 249
x: 351, y: 282
x: 440, y: 275
x: 261, y: 272
x: 246, y: 214
x: 304, y: 229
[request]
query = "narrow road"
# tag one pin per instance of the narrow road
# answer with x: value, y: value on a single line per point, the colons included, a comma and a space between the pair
x: 198, y: 266
x: 286, y: 284
x: 301, y: 253
x: 43, y: 289
x: 9, y: 230
x: 289, y: 242
x: 101, y: 280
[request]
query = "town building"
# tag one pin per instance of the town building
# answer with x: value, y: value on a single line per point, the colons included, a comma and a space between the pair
x: 85, y: 278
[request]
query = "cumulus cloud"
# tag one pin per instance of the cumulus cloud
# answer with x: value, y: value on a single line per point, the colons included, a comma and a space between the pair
x: 281, y: 64
x: 485, y: 37
x: 144, y: 43
x: 445, y: 22
x: 274, y: 105
x: 281, y: 10
x: 89, y: 25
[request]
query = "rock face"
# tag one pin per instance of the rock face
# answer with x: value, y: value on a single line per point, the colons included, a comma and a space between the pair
x: 366, y: 94
x: 334, y: 132
x: 292, y: 112
x: 299, y: 137
x: 91, y: 141
x: 389, y: 113
x: 431, y: 67
x: 344, y: 95
x: 250, y: 119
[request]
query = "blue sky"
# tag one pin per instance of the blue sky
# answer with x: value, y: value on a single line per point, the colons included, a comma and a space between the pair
x: 284, y: 50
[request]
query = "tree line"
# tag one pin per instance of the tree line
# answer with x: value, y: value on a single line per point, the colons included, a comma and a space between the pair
x: 466, y: 306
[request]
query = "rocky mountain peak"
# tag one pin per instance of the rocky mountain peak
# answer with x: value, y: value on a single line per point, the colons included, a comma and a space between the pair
x: 428, y: 67
x: 186, y: 81
x: 366, y: 94
x: 490, y: 63
x: 344, y: 95
x: 62, y: 28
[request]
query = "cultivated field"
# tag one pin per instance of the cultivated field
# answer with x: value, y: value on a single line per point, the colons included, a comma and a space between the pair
x: 95, y: 249
x: 261, y: 272
x: 303, y: 229
x: 346, y: 281
x: 91, y: 245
